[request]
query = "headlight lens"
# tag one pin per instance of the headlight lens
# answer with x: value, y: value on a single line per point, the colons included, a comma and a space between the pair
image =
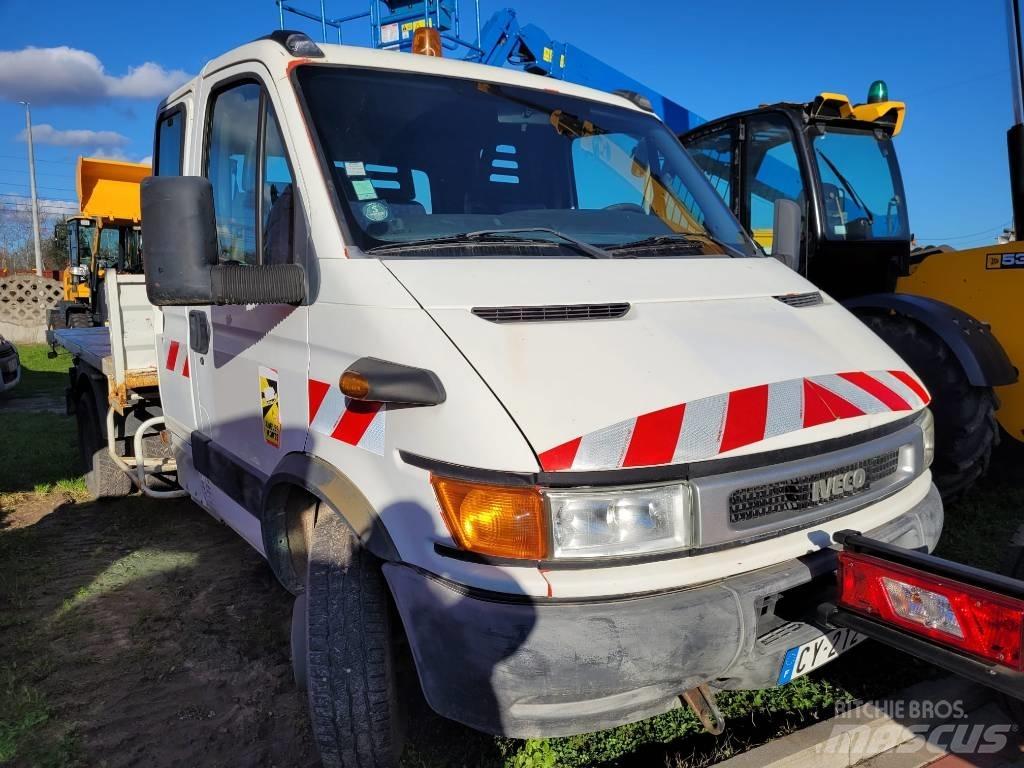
x: 927, y: 423
x: 619, y: 521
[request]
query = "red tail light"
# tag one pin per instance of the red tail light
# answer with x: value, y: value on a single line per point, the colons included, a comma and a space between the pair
x: 970, y: 619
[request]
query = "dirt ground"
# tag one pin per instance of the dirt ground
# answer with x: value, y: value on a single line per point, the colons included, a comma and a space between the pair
x: 151, y: 634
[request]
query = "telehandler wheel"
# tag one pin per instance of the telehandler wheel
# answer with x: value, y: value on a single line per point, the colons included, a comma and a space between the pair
x: 79, y: 320
x: 966, y: 430
x: 350, y: 652
x: 103, y: 479
x: 55, y: 317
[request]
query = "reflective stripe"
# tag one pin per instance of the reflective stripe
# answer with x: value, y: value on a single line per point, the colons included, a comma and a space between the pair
x: 785, y: 407
x: 605, y: 447
x: 850, y: 392
x: 329, y: 415
x: 745, y: 418
x: 702, y: 429
x: 914, y: 384
x: 899, y: 387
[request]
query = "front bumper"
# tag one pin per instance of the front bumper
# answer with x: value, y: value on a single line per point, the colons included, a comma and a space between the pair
x: 539, y: 669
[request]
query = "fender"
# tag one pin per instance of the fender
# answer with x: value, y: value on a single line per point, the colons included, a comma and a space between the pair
x: 325, y: 482
x: 979, y: 352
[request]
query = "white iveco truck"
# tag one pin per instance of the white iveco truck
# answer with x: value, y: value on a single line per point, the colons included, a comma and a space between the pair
x: 486, y: 370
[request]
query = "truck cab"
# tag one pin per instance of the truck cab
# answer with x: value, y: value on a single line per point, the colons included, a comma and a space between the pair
x: 485, y: 368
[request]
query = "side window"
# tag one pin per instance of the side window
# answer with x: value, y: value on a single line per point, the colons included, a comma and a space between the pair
x: 170, y: 136
x: 713, y: 153
x: 232, y: 150
x: 771, y: 172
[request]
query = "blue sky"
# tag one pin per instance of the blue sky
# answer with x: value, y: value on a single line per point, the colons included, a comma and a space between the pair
x: 946, y: 59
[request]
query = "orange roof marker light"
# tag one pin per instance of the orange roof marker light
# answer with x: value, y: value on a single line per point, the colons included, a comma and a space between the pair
x: 426, y: 41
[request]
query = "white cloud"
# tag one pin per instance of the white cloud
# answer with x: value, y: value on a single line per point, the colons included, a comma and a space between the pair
x: 147, y: 81
x: 147, y: 160
x: 44, y: 133
x: 63, y: 75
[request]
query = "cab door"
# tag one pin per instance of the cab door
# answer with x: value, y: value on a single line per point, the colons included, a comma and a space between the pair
x: 250, y: 362
x: 171, y: 323
x: 771, y: 171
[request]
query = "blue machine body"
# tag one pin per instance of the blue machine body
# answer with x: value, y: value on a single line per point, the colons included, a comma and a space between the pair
x: 506, y: 43
x: 501, y: 42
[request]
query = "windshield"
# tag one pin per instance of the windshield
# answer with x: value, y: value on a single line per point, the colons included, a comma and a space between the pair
x: 418, y: 157
x: 861, y: 185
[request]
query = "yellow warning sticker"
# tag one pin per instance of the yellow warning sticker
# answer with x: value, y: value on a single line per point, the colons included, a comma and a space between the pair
x: 271, y: 407
x: 411, y: 26
x: 549, y: 55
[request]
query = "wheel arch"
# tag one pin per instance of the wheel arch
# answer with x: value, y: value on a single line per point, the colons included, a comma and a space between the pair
x: 284, y: 535
x: 87, y: 379
x: 982, y: 357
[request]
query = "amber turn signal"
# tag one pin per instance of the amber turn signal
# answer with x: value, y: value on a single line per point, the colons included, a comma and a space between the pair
x: 354, y: 385
x: 494, y: 520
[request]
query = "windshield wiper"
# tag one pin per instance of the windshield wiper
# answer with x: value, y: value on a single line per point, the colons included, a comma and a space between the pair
x: 672, y: 238
x: 499, y: 236
x: 849, y: 188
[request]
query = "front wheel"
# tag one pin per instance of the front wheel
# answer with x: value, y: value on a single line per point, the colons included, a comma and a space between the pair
x: 350, y: 655
x: 966, y: 430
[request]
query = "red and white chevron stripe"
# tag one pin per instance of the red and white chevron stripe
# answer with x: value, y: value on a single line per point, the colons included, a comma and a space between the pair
x: 177, y: 359
x: 349, y: 421
x: 704, y: 428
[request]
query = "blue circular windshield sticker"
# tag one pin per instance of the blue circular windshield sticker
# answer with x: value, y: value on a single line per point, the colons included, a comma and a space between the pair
x: 376, y: 211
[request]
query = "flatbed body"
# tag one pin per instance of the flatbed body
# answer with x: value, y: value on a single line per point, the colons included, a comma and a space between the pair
x: 124, y: 351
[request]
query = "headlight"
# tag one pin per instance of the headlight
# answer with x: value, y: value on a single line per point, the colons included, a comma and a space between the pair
x: 601, y: 523
x: 927, y: 423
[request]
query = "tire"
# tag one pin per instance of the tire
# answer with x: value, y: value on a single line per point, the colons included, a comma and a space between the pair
x: 103, y: 478
x: 350, y: 652
x: 966, y: 430
x: 56, y: 320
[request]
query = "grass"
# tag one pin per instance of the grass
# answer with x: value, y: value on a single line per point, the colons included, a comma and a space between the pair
x: 38, y: 453
x: 38, y: 450
x: 41, y: 375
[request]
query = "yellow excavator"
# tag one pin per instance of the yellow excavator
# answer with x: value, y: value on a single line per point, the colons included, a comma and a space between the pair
x: 105, y: 233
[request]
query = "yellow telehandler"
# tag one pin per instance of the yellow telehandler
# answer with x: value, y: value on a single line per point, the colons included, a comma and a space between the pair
x: 949, y: 314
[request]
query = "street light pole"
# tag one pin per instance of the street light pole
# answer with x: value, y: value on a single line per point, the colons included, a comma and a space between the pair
x: 32, y: 187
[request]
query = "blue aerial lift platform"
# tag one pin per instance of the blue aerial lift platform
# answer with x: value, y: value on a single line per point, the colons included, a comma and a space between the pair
x: 501, y: 42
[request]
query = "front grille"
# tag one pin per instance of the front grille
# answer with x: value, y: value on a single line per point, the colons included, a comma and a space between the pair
x: 796, y: 495
x: 552, y: 313
x: 800, y: 300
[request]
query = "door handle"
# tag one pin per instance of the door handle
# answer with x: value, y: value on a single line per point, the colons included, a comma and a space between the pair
x: 198, y: 332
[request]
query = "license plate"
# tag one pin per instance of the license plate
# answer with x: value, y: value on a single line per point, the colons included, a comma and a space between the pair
x: 809, y: 656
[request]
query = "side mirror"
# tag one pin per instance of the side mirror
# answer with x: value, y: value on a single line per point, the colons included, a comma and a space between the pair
x: 180, y: 233
x: 786, y: 233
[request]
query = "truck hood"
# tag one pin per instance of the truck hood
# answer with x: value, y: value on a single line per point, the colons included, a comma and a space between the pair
x: 706, y: 361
